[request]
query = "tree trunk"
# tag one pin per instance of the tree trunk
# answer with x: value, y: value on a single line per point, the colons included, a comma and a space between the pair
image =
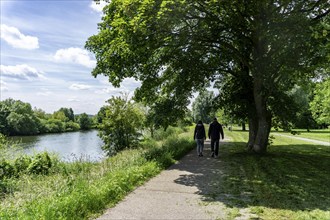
x: 253, y: 129
x: 264, y: 118
x: 243, y: 126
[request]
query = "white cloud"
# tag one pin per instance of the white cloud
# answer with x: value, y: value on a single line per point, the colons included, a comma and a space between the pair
x: 111, y: 90
x: 3, y: 86
x: 22, y: 71
x: 18, y: 40
x: 98, y: 7
x: 74, y: 55
x: 45, y: 92
x: 77, y: 86
x: 73, y: 99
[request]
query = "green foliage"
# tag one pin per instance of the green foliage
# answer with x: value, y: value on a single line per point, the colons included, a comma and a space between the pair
x: 54, y: 126
x: 121, y: 126
x: 68, y: 112
x: 176, y: 48
x: 22, y: 124
x: 22, y: 163
x: 85, y: 122
x: 4, y: 112
x: 59, y: 115
x: 203, y: 107
x: 320, y: 106
x: 161, y: 134
x: 41, y: 163
x: 6, y: 169
x: 72, y: 126
x: 18, y: 118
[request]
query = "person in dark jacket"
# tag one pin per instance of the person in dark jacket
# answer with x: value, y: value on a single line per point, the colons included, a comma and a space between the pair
x: 199, y: 136
x: 215, y: 131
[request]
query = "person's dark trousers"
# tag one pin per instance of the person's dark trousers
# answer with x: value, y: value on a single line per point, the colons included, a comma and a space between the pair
x: 215, y: 147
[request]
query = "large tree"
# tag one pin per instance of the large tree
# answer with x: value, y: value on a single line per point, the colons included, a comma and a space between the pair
x: 320, y: 106
x: 175, y: 48
x: 121, y: 125
x: 203, y: 107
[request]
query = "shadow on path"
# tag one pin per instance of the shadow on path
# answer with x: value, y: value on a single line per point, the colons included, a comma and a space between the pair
x: 238, y: 179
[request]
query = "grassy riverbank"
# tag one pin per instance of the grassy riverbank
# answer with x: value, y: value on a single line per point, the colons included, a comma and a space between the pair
x: 80, y: 190
x: 291, y: 182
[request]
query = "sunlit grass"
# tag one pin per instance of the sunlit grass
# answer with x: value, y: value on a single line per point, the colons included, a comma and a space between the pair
x: 81, y: 190
x: 320, y: 134
x: 290, y: 182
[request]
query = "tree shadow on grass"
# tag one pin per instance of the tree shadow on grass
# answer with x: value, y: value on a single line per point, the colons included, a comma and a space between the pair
x: 293, y: 179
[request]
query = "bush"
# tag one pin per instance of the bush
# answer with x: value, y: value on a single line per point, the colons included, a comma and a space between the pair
x: 55, y: 126
x: 71, y: 126
x: 173, y: 148
x: 170, y: 131
x: 6, y: 170
x: 40, y: 164
x: 22, y: 163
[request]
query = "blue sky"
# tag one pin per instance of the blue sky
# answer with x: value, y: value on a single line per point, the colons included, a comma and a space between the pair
x: 43, y: 60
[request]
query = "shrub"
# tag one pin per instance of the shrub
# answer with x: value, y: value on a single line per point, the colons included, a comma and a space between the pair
x: 55, y: 126
x: 22, y: 163
x: 40, y: 164
x: 71, y: 126
x: 6, y: 169
x: 170, y: 131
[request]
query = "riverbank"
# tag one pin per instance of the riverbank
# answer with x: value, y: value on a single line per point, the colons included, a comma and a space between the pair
x: 80, y: 189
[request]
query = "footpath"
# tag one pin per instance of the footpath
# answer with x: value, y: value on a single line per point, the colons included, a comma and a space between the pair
x: 180, y: 192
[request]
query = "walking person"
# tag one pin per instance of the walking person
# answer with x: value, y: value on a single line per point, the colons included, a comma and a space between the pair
x: 200, y: 136
x: 215, y: 131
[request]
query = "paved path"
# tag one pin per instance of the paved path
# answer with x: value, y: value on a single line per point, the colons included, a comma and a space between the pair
x: 305, y: 139
x: 176, y: 193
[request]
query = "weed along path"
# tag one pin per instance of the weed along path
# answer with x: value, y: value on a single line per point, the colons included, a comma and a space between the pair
x: 180, y: 192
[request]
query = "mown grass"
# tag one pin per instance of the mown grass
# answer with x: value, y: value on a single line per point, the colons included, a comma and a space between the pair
x: 81, y: 190
x: 319, y: 134
x: 290, y: 182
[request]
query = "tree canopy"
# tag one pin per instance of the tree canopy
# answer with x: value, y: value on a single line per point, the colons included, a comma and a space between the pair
x: 259, y: 48
x: 320, y: 106
x: 121, y: 125
x: 203, y: 107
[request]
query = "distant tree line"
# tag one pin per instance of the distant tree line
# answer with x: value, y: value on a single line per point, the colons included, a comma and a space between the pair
x: 18, y: 118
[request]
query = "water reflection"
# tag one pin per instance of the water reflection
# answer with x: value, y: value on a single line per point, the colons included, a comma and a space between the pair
x: 69, y: 146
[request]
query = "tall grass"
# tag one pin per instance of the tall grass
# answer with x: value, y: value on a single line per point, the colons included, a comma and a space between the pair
x: 80, y: 190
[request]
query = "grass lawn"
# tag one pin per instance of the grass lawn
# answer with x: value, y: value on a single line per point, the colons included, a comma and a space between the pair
x: 321, y: 135
x: 291, y: 182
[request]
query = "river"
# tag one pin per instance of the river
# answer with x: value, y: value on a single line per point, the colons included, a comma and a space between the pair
x: 70, y: 146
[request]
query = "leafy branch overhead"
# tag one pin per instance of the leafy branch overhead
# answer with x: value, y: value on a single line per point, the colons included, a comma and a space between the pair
x: 255, y: 52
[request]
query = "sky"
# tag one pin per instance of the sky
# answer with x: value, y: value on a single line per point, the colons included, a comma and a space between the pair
x: 43, y: 60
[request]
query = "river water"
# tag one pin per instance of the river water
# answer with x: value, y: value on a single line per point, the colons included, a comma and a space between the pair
x: 70, y: 146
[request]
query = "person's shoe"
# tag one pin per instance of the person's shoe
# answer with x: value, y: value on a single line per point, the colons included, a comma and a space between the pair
x: 216, y: 156
x: 212, y: 155
x: 201, y: 154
